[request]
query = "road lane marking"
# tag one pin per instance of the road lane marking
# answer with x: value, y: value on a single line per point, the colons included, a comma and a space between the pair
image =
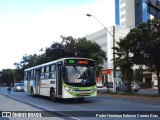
x: 153, y: 106
x: 125, y: 102
x: 101, y: 99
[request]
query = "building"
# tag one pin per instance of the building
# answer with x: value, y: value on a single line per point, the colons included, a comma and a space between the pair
x: 150, y: 79
x: 125, y: 13
x: 105, y: 40
x: 141, y: 14
x: 130, y: 12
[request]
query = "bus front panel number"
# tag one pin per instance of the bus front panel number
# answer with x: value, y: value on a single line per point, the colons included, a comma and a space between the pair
x: 71, y: 61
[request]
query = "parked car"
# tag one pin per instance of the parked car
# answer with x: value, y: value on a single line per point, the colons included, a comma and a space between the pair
x: 123, y: 87
x: 19, y: 86
x: 99, y: 85
x: 110, y: 85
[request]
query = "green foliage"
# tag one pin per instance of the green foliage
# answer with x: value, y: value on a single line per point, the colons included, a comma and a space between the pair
x: 138, y: 75
x: 7, y: 76
x: 145, y: 45
x: 145, y: 42
x: 142, y: 47
x: 68, y: 47
x: 124, y: 61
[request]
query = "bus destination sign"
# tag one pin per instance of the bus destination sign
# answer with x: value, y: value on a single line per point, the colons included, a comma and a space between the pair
x: 78, y: 61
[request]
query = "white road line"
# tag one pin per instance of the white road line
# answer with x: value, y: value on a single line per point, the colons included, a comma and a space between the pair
x: 153, y: 106
x: 126, y: 102
x: 101, y: 99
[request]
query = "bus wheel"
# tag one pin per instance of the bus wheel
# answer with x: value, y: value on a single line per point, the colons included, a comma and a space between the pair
x: 53, y: 96
x: 32, y: 92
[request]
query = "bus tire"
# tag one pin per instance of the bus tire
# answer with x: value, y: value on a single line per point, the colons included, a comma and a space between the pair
x: 32, y: 92
x: 53, y: 96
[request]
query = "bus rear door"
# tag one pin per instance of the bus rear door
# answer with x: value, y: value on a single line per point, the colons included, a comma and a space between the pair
x: 37, y: 81
x: 59, y: 79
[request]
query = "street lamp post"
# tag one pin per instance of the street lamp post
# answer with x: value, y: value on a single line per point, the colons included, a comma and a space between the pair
x: 113, y: 36
x: 89, y: 15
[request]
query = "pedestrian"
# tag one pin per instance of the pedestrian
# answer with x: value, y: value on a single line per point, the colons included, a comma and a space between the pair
x: 9, y: 89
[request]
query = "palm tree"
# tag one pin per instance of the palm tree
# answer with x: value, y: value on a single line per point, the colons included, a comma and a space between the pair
x: 124, y: 61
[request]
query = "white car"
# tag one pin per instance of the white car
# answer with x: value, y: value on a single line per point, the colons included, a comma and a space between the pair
x: 18, y: 87
x: 123, y: 87
x: 99, y: 85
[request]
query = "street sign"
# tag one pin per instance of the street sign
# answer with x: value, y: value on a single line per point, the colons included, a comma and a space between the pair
x: 106, y: 71
x: 153, y: 7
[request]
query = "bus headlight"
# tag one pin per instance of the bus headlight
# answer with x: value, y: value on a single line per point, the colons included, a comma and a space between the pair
x: 69, y: 89
x: 94, y: 89
x: 66, y: 88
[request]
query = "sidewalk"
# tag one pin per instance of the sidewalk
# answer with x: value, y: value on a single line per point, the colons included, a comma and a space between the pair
x: 9, y: 104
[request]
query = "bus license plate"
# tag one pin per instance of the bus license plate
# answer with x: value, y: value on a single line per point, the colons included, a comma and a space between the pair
x: 83, y: 94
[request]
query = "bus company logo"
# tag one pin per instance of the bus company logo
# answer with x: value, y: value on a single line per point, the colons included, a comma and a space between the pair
x: 6, y: 114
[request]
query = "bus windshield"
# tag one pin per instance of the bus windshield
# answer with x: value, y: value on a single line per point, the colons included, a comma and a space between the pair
x: 79, y: 74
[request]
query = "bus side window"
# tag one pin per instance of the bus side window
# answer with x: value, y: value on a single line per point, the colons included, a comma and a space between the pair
x: 47, y: 72
x: 33, y: 76
x: 42, y: 73
x: 26, y: 76
x: 52, y: 73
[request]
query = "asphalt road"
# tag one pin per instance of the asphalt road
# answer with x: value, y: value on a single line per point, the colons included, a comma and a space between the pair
x: 100, y: 106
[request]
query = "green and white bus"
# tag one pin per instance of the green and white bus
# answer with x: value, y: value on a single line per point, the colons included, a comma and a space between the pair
x: 63, y: 78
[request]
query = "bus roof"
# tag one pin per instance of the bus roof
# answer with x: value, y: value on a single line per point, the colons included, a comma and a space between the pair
x: 55, y: 61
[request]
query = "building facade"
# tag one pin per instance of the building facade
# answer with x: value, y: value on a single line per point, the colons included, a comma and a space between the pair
x: 105, y: 40
x: 141, y: 14
x: 130, y: 12
x: 125, y: 13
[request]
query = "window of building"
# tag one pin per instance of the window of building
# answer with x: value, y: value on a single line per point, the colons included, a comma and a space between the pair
x: 123, y: 23
x: 123, y: 9
x: 123, y: 16
x: 122, y: 1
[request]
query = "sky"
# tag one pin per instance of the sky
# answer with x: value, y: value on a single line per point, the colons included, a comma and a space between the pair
x: 26, y: 26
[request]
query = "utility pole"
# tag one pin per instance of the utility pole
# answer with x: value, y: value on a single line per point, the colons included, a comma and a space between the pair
x: 113, y: 36
x: 114, y: 68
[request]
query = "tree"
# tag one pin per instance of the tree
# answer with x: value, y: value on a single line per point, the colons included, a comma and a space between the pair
x: 7, y: 76
x: 124, y: 61
x: 92, y: 50
x: 138, y: 75
x: 145, y: 42
x: 81, y: 47
x: 68, y: 47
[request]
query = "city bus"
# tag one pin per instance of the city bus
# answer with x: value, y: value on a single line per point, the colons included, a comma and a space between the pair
x: 63, y: 78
